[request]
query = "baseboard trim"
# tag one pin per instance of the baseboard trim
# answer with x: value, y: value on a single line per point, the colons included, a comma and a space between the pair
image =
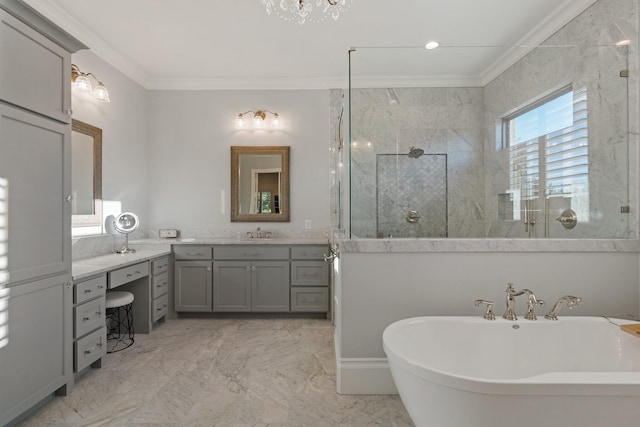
x: 364, y: 376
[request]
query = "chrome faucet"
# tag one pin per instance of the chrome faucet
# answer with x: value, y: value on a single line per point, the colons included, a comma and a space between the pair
x: 571, y: 302
x: 532, y: 301
x: 510, y: 314
x: 259, y: 233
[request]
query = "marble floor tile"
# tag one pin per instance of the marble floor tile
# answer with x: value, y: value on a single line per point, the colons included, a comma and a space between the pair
x: 246, y: 372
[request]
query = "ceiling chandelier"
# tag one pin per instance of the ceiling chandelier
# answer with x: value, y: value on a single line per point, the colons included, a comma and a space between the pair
x: 306, y: 10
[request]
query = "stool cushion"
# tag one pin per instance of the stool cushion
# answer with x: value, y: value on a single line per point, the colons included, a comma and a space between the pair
x: 118, y: 298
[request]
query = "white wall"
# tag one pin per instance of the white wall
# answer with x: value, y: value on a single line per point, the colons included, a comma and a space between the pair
x: 189, y: 154
x: 376, y: 289
x: 124, y: 133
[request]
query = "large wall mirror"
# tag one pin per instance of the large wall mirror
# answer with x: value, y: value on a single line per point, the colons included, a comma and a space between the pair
x: 86, y: 174
x: 260, y: 184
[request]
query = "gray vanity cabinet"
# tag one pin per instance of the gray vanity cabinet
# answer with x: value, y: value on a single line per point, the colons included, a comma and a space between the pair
x: 309, y: 279
x: 232, y: 286
x: 193, y: 270
x: 251, y: 278
x: 270, y: 286
x: 89, y: 331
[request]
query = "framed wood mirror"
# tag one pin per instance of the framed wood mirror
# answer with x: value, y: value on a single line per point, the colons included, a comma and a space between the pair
x: 260, y: 184
x: 86, y: 174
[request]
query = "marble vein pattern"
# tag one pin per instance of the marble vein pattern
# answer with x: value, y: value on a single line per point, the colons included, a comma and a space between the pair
x: 221, y: 372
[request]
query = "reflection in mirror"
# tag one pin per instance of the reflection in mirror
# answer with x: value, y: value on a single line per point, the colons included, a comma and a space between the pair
x: 259, y: 184
x: 86, y: 174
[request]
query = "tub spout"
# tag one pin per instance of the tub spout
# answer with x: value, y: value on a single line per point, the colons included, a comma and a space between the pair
x: 510, y: 314
x: 571, y: 302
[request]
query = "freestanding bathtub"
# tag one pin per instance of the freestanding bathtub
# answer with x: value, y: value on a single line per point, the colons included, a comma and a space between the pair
x: 468, y: 371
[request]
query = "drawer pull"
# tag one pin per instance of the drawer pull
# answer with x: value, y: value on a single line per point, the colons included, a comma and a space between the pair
x: 98, y: 313
x: 137, y: 272
x: 86, y: 318
x: 87, y: 291
x: 129, y: 275
x: 87, y: 352
x: 100, y: 286
x: 159, y: 309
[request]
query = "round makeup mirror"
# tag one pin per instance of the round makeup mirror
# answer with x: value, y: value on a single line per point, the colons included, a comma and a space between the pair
x: 126, y: 223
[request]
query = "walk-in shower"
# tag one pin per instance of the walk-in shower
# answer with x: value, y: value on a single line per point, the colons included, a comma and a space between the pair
x: 492, y: 154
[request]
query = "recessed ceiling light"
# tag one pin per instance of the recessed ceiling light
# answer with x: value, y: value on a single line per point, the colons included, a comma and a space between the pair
x: 431, y: 45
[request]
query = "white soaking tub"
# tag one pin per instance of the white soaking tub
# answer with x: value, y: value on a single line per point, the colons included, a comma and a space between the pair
x: 468, y: 371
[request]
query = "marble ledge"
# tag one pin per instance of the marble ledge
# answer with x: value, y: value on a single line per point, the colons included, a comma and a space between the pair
x: 486, y: 245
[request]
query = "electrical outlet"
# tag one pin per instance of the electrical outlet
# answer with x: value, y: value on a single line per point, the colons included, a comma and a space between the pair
x: 307, y: 224
x: 168, y: 233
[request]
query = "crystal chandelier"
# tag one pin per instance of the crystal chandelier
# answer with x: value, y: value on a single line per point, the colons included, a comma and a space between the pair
x: 306, y: 10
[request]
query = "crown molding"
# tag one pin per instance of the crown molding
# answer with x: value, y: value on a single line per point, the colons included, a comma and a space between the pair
x: 567, y: 11
x: 102, y: 49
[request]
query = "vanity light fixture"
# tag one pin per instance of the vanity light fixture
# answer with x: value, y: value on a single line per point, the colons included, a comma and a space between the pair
x: 81, y: 81
x: 307, y: 10
x: 259, y: 116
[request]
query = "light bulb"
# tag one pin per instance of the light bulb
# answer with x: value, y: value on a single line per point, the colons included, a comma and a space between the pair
x: 101, y: 93
x: 275, y: 121
x: 257, y: 121
x: 82, y: 83
x: 431, y: 45
x: 240, y: 121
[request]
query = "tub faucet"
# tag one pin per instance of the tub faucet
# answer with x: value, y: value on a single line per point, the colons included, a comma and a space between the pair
x: 571, y: 302
x: 532, y: 301
x: 510, y: 314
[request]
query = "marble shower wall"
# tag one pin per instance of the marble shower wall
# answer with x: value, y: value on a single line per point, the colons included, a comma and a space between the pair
x: 463, y: 123
x: 437, y: 120
x: 595, y: 63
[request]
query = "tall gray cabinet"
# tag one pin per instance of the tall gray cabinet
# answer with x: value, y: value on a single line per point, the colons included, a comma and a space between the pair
x: 35, y: 216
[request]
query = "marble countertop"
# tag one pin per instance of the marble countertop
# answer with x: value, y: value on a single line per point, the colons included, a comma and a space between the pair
x: 232, y: 241
x: 84, y: 268
x: 147, y: 249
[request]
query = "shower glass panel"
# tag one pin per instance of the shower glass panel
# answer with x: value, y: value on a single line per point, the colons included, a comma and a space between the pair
x: 485, y: 186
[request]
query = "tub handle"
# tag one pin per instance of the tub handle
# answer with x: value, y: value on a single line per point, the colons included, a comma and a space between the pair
x: 489, y: 313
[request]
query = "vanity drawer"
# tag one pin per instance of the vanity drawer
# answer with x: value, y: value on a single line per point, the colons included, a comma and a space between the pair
x: 309, y: 273
x: 315, y: 299
x: 159, y: 285
x: 251, y: 252
x: 160, y: 266
x: 160, y: 307
x: 309, y: 252
x: 89, y: 316
x: 128, y: 274
x: 90, y: 348
x: 192, y: 252
x: 89, y: 289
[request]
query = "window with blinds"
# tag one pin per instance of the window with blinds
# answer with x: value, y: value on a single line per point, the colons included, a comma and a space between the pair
x: 548, y: 150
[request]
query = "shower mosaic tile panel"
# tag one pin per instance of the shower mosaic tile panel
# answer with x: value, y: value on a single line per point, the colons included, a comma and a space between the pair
x: 404, y: 185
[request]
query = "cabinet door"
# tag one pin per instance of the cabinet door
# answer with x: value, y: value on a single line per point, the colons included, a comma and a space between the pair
x: 34, y: 182
x: 232, y: 286
x: 35, y: 343
x: 193, y: 283
x: 35, y: 73
x: 270, y: 286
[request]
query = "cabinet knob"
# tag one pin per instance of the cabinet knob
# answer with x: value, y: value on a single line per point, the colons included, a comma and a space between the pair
x: 69, y: 198
x: 68, y: 111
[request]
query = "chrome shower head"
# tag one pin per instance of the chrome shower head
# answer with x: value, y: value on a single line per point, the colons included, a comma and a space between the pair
x: 414, y: 152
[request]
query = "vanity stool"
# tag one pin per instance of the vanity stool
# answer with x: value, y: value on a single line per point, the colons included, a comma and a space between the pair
x: 119, y: 320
